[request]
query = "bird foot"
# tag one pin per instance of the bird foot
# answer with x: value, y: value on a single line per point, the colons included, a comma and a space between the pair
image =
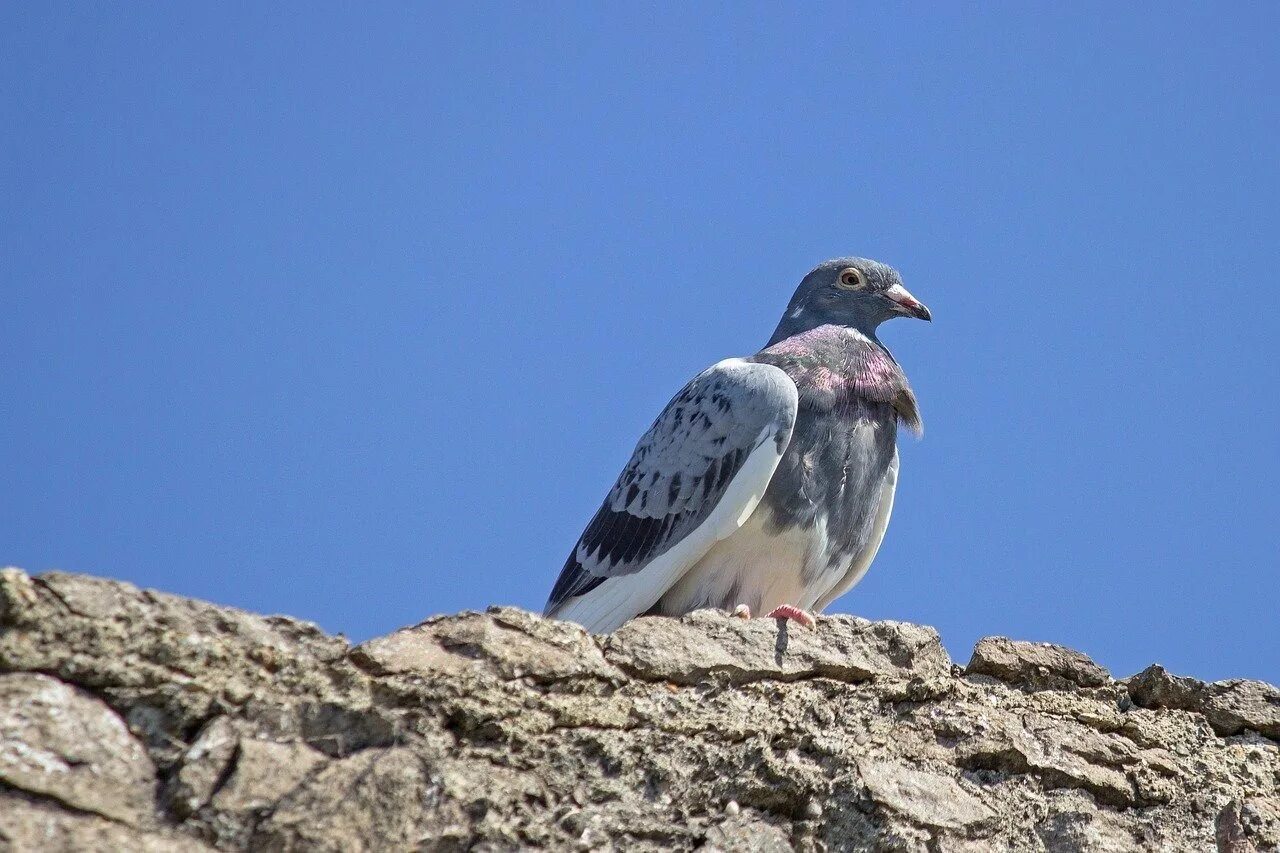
x: 742, y: 611
x: 795, y: 614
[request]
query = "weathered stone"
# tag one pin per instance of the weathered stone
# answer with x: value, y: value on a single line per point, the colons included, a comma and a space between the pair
x: 1087, y: 831
x: 929, y: 799
x: 505, y: 731
x: 264, y: 773
x: 166, y: 664
x: 747, y: 834
x: 59, y: 743
x: 376, y: 800
x: 18, y: 596
x: 1039, y: 666
x: 1260, y: 819
x: 1060, y: 754
x: 1229, y: 706
x: 503, y: 643
x: 1229, y: 831
x: 708, y: 644
x: 204, y: 765
x: 33, y: 826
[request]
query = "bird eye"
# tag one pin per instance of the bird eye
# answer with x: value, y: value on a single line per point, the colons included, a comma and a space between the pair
x: 851, y: 278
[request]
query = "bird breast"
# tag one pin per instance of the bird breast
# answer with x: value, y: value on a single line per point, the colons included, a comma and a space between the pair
x: 759, y: 565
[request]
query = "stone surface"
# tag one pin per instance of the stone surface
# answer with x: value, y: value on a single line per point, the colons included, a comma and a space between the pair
x: 32, y: 825
x: 135, y: 720
x: 1041, y: 666
x: 706, y: 644
x: 504, y: 643
x: 59, y: 743
x: 932, y: 799
x: 1230, y: 706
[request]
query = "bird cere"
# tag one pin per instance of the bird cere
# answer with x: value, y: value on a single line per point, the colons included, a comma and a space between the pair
x: 765, y: 486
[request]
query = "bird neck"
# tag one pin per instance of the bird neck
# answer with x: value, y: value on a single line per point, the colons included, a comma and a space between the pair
x: 828, y: 339
x: 831, y: 365
x: 800, y: 322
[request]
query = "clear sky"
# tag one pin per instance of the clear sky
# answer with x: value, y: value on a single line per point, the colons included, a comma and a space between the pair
x: 353, y: 312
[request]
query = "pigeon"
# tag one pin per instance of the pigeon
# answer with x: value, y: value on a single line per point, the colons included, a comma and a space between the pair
x: 766, y: 484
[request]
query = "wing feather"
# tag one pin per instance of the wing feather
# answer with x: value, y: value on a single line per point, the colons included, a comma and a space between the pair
x: 694, y: 478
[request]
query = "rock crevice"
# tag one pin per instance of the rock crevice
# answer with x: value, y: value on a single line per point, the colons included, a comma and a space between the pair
x: 132, y: 719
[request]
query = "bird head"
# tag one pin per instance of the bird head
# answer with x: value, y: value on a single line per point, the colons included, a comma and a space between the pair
x: 853, y: 292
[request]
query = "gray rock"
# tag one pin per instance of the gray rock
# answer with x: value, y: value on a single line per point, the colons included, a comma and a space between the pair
x: 1039, y: 666
x: 1229, y: 706
x: 504, y: 643
x: 931, y: 799
x: 59, y: 743
x: 1088, y: 830
x: 134, y: 720
x: 42, y: 826
x: 378, y: 799
x: 265, y: 772
x: 1229, y: 831
x: 707, y: 644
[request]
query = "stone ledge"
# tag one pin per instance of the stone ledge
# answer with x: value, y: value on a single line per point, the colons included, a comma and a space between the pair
x: 132, y: 719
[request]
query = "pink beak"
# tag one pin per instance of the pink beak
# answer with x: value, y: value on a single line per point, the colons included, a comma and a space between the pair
x: 907, y: 304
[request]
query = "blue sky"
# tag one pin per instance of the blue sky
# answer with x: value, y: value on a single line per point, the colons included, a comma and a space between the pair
x: 354, y: 312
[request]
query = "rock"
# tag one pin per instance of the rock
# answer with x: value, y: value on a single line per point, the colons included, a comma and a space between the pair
x: 135, y: 720
x: 18, y: 597
x: 747, y: 834
x: 1229, y: 831
x: 1260, y: 820
x: 1059, y: 753
x: 59, y: 743
x: 504, y: 643
x: 930, y: 799
x: 1039, y: 666
x: 33, y: 826
x: 1229, y: 706
x: 378, y: 799
x: 708, y: 644
x: 1087, y: 830
x: 204, y: 766
x: 164, y: 663
x: 264, y: 772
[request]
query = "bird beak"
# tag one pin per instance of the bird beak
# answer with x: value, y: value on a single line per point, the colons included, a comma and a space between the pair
x: 906, y: 303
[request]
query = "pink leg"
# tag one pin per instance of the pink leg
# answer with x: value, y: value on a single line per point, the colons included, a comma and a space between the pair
x: 795, y: 614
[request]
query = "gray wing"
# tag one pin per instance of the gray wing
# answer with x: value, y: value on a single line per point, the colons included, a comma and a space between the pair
x: 693, y: 479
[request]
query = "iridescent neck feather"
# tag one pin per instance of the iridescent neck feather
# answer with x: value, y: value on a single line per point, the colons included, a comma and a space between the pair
x: 837, y: 365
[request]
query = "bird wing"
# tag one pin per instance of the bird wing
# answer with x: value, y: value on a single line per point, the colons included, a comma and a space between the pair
x: 694, y: 478
x: 862, y: 560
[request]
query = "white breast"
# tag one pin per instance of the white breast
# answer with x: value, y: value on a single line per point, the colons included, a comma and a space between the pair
x: 760, y: 568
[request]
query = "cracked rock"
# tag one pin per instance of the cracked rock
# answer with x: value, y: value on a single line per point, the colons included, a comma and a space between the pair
x: 59, y: 743
x: 708, y: 644
x: 34, y: 826
x: 1229, y: 706
x: 930, y: 799
x: 135, y: 720
x: 1039, y: 666
x: 503, y: 643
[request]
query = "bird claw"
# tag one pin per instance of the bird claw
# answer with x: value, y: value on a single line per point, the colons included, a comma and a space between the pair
x: 795, y: 614
x: 742, y: 611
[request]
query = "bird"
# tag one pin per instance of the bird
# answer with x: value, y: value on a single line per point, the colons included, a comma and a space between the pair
x: 765, y: 486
